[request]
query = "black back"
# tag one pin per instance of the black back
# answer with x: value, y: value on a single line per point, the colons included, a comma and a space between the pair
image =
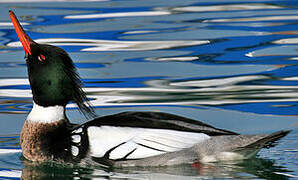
x: 157, y: 120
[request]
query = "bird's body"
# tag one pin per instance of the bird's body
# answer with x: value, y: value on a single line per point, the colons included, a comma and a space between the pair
x: 137, y: 139
x: 124, y: 139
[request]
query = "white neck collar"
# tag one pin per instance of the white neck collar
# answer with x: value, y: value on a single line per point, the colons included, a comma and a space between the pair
x: 48, y: 114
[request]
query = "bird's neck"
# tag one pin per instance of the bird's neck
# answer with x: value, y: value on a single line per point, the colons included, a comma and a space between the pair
x: 50, y: 114
x: 41, y: 132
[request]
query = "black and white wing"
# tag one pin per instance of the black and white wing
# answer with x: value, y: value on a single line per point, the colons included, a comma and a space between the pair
x: 135, y: 135
x: 119, y: 143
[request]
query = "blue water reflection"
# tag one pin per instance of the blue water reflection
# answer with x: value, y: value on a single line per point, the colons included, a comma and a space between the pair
x: 231, y: 64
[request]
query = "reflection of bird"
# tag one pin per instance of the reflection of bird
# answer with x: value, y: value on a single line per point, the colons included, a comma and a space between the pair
x: 129, y: 138
x: 254, y: 168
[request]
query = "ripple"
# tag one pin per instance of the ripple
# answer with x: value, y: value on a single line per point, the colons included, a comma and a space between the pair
x: 10, y: 24
x: 113, y: 45
x: 286, y: 32
x: 287, y: 41
x: 11, y: 173
x: 13, y: 82
x: 285, y: 50
x: 219, y: 82
x: 187, y: 58
x: 229, y: 90
x: 119, y: 14
x: 266, y: 18
x: 8, y: 151
x: 138, y: 32
x: 228, y: 7
x: 286, y: 174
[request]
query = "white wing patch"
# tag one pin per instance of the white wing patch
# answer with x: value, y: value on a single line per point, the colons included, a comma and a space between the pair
x: 74, y: 150
x: 134, y: 143
x: 76, y: 138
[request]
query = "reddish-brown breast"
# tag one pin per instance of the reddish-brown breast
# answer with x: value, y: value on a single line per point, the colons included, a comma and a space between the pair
x: 45, y: 141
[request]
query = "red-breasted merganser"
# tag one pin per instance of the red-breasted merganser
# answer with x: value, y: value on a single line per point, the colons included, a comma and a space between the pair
x: 124, y: 139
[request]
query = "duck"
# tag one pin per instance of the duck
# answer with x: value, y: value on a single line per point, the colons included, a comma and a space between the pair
x: 132, y: 138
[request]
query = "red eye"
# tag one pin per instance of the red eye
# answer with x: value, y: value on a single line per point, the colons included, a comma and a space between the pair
x: 41, y: 58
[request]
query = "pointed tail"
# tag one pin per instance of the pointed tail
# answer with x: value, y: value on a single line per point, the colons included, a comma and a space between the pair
x: 269, y: 140
x: 266, y: 141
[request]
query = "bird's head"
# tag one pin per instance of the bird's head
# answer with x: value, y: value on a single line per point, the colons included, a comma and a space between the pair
x: 52, y: 75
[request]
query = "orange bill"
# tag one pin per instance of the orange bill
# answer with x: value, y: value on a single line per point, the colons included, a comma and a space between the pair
x: 24, y: 38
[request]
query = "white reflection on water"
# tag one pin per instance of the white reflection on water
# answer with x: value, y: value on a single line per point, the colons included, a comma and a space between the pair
x: 257, y: 24
x: 287, y: 41
x: 119, y: 14
x: 286, y: 174
x: 187, y: 58
x: 266, y: 18
x: 219, y: 82
x: 227, y: 7
x: 206, y: 92
x: 8, y: 151
x: 113, y: 45
x: 285, y: 50
x: 11, y: 173
x: 10, y: 24
x: 139, y: 32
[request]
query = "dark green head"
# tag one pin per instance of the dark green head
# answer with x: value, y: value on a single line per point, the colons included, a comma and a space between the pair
x: 52, y: 75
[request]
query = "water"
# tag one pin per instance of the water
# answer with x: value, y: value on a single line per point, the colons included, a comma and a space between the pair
x: 228, y: 63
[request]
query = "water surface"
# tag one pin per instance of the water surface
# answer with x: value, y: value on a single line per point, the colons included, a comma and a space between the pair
x: 232, y: 64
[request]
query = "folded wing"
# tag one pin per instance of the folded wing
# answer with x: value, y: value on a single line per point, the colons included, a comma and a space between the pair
x: 135, y: 135
x: 120, y: 143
